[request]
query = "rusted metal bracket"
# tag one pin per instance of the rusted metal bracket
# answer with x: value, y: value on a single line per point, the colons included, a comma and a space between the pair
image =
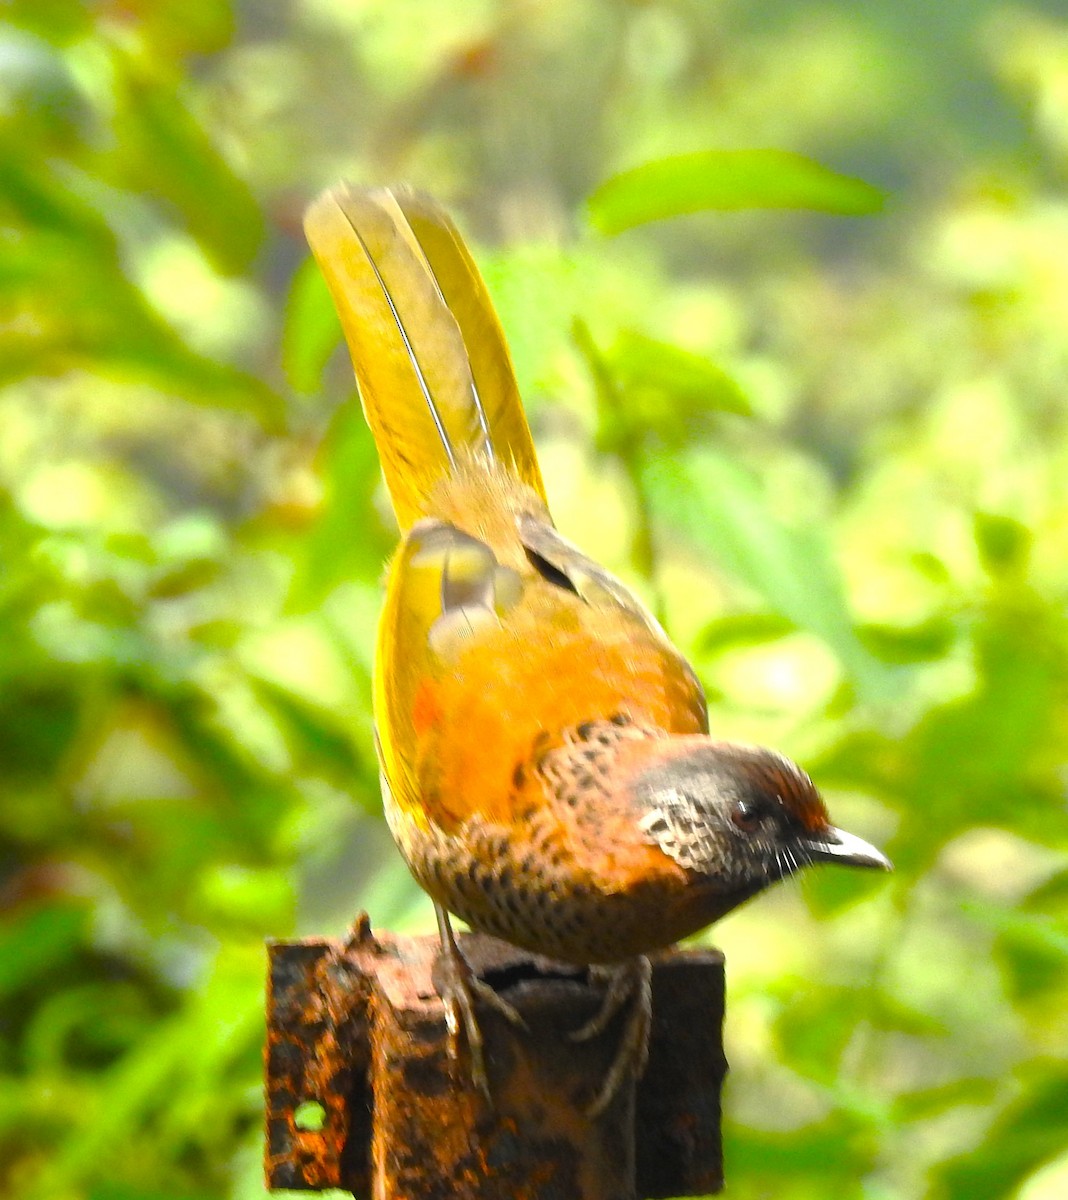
x: 363, y: 1095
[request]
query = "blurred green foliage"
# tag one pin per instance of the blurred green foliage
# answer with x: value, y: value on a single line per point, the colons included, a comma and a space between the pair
x: 831, y: 450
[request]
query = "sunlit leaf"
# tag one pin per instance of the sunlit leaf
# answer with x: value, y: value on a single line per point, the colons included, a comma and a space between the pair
x: 719, y: 505
x: 682, y: 382
x: 347, y: 540
x: 743, y: 629
x: 60, y: 21
x: 1004, y: 544
x: 829, y: 892
x: 163, y: 152
x: 726, y: 180
x: 1028, y: 1133
x: 839, y: 1150
x: 312, y: 331
x: 897, y: 644
x: 1033, y: 941
x: 925, y: 1103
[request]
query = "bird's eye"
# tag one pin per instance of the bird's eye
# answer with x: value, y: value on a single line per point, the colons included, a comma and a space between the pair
x: 748, y: 814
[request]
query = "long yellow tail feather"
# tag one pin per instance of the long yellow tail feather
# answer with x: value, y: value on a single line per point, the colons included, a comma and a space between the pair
x: 433, y: 368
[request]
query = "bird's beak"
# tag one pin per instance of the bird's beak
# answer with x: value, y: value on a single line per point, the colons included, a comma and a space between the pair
x: 836, y: 846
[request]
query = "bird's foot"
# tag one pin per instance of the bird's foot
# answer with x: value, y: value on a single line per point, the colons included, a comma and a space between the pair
x: 630, y: 981
x: 459, y: 989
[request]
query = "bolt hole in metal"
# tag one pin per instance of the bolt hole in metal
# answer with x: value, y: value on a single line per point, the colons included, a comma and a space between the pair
x: 309, y: 1116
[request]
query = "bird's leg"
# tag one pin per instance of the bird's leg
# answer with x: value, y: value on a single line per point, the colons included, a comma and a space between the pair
x: 460, y: 988
x: 632, y: 981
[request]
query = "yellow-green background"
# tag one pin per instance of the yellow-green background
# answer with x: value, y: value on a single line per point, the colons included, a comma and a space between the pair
x: 868, y: 571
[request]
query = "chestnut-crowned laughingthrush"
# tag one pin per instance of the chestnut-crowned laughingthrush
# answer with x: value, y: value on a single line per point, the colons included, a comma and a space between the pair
x: 546, y: 764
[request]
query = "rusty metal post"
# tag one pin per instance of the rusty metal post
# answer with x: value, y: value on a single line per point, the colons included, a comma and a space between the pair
x: 362, y: 1093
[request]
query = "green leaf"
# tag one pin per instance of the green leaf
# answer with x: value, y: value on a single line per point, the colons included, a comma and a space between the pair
x: 1032, y: 941
x: 927, y: 641
x: 35, y: 941
x: 312, y: 330
x: 721, y: 507
x: 88, y: 1024
x: 828, y: 892
x: 178, y: 28
x: 36, y: 197
x: 346, y: 541
x: 60, y: 21
x: 162, y: 151
x: 811, y: 1031
x: 691, y: 381
x: 69, y: 306
x: 925, y: 1103
x: 319, y: 734
x: 742, y: 630
x: 726, y: 180
x: 36, y: 82
x: 840, y: 1149
x: 1004, y: 544
x: 1027, y: 1134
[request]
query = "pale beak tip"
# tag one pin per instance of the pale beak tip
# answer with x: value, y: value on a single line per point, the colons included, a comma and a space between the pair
x: 837, y: 846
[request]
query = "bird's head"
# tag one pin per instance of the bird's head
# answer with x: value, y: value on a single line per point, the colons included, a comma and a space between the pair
x: 738, y: 817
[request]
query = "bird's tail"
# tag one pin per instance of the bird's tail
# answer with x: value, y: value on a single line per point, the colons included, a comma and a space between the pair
x: 433, y: 368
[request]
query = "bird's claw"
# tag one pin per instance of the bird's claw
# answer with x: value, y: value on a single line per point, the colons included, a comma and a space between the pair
x: 457, y: 994
x: 460, y: 988
x: 630, y: 981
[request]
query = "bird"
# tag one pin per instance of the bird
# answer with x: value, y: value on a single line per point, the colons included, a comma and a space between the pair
x: 547, y: 768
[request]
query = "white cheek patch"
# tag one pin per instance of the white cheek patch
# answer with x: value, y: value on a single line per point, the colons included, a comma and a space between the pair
x: 685, y: 833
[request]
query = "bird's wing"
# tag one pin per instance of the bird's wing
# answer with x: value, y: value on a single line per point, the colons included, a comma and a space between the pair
x: 559, y: 561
